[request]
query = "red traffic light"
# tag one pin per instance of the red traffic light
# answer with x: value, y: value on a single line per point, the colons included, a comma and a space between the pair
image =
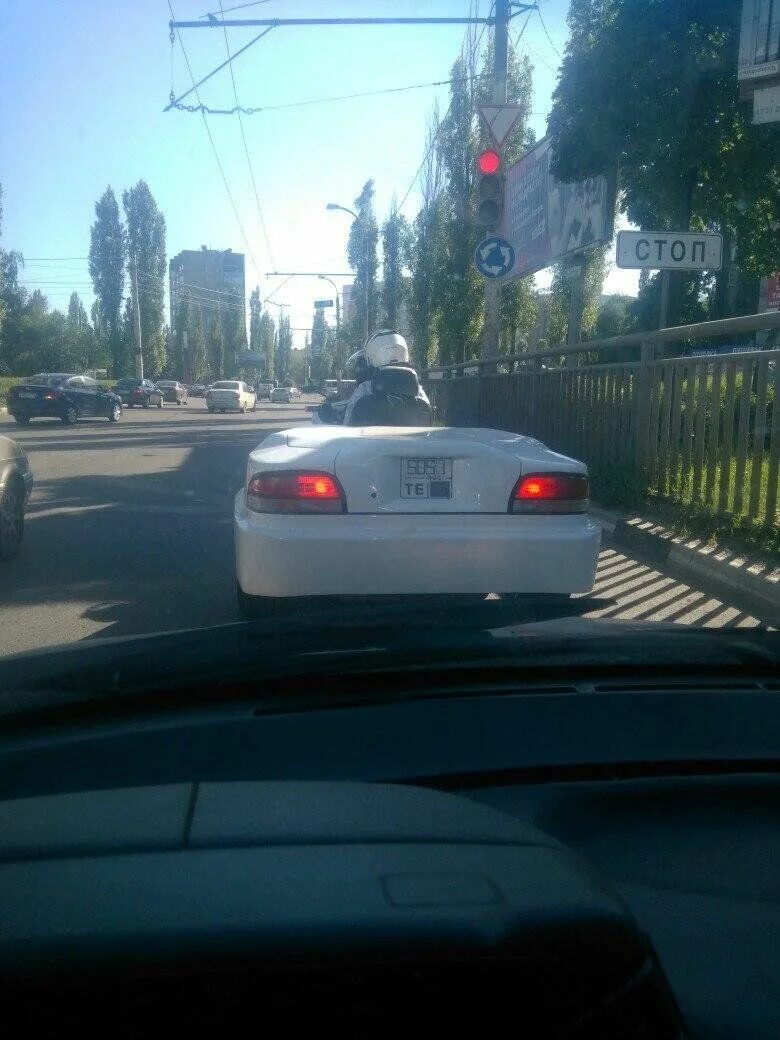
x: 489, y: 161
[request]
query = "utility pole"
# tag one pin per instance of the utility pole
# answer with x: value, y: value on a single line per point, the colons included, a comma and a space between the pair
x: 491, y: 330
x: 139, y: 360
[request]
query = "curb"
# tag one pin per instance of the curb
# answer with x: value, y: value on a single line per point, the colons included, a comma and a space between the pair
x: 724, y: 572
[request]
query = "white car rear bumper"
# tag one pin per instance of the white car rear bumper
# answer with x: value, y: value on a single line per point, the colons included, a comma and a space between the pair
x: 396, y: 554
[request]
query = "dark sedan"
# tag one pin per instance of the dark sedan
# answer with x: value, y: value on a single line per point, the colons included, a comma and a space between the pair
x: 142, y: 392
x: 173, y: 391
x: 61, y: 395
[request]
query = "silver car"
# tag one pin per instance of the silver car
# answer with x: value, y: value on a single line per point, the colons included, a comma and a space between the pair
x: 284, y: 394
x: 16, y: 481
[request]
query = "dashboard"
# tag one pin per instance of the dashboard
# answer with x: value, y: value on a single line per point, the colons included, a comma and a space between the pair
x: 559, y: 863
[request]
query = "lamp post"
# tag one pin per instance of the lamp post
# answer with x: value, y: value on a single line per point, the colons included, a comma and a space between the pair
x: 325, y: 278
x: 353, y: 214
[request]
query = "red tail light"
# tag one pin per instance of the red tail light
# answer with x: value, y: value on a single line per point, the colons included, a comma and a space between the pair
x: 550, y: 493
x: 138, y: 391
x: 295, y: 492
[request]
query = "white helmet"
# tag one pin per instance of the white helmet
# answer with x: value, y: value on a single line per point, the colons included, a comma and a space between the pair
x: 386, y: 348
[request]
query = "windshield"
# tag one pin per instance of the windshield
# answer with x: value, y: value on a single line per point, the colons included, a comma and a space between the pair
x: 549, y: 238
x: 47, y: 379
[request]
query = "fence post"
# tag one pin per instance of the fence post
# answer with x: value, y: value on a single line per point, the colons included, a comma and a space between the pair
x: 642, y: 417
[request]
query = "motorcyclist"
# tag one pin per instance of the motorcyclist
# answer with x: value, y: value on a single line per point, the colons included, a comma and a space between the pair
x: 382, y: 350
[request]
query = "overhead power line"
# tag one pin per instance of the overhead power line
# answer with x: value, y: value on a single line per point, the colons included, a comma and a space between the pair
x: 176, y: 102
x: 251, y: 111
x: 237, y: 7
x: 549, y: 40
x: 214, y: 149
x: 434, y: 139
x: 246, y: 152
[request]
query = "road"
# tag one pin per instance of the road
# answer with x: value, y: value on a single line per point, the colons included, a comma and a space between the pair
x: 129, y: 530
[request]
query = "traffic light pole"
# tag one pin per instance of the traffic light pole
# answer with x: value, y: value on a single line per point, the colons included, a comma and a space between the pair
x: 491, y: 329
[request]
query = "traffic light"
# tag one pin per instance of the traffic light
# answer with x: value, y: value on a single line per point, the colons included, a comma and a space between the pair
x: 490, y: 188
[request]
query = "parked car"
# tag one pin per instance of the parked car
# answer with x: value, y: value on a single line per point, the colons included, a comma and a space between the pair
x: 197, y: 390
x: 285, y: 394
x: 230, y: 395
x: 264, y: 391
x: 143, y: 392
x: 16, y: 482
x: 173, y: 391
x: 64, y: 396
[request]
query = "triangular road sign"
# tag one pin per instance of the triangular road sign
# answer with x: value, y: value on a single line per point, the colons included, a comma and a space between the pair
x: 499, y: 120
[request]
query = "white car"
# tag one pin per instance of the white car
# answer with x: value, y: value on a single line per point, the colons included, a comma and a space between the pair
x: 230, y: 395
x: 333, y: 510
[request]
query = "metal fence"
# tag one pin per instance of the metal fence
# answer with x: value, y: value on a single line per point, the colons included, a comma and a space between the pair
x: 703, y: 430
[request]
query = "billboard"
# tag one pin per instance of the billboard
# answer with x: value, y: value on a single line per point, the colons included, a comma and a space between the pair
x: 759, y: 41
x: 769, y: 298
x: 546, y: 219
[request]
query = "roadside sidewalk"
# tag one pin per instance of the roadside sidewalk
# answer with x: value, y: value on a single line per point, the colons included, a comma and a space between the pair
x: 725, y: 573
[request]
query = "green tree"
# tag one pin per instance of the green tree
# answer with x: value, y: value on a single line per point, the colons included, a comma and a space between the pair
x: 255, y: 314
x: 615, y: 316
x: 650, y: 88
x: 77, y: 315
x: 13, y: 297
x: 298, y: 373
x: 234, y: 326
x: 426, y: 251
x: 362, y: 255
x: 107, y: 254
x: 282, y: 360
x: 215, y: 346
x: 267, y: 340
x: 127, y: 340
x: 396, y: 249
x: 179, y: 358
x: 146, y: 252
x: 197, y: 344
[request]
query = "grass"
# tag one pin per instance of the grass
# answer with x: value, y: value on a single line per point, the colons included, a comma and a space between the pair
x: 6, y: 382
x: 675, y: 507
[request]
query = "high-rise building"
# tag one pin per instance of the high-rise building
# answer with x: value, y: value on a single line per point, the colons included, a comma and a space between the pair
x: 207, y: 277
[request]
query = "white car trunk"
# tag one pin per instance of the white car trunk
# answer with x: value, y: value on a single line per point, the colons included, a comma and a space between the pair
x: 426, y: 470
x: 224, y: 398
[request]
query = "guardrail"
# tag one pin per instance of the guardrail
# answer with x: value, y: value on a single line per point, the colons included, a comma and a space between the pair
x: 703, y: 430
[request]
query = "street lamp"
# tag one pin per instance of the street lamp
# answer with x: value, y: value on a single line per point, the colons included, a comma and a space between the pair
x: 325, y: 278
x: 346, y: 209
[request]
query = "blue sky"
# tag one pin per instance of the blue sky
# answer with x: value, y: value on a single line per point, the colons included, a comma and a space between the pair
x: 83, y: 84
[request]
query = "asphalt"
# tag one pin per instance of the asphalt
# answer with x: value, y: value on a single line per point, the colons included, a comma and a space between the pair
x: 129, y: 530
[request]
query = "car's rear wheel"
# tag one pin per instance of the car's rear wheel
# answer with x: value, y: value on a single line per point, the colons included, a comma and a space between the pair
x: 22, y: 420
x: 11, y: 518
x: 70, y: 415
x: 179, y: 401
x: 146, y: 402
x: 115, y: 413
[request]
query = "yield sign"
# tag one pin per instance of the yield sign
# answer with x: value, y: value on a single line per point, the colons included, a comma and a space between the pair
x: 499, y: 120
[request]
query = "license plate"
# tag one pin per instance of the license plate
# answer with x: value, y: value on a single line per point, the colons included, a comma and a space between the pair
x: 426, y: 478
x: 22, y: 394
